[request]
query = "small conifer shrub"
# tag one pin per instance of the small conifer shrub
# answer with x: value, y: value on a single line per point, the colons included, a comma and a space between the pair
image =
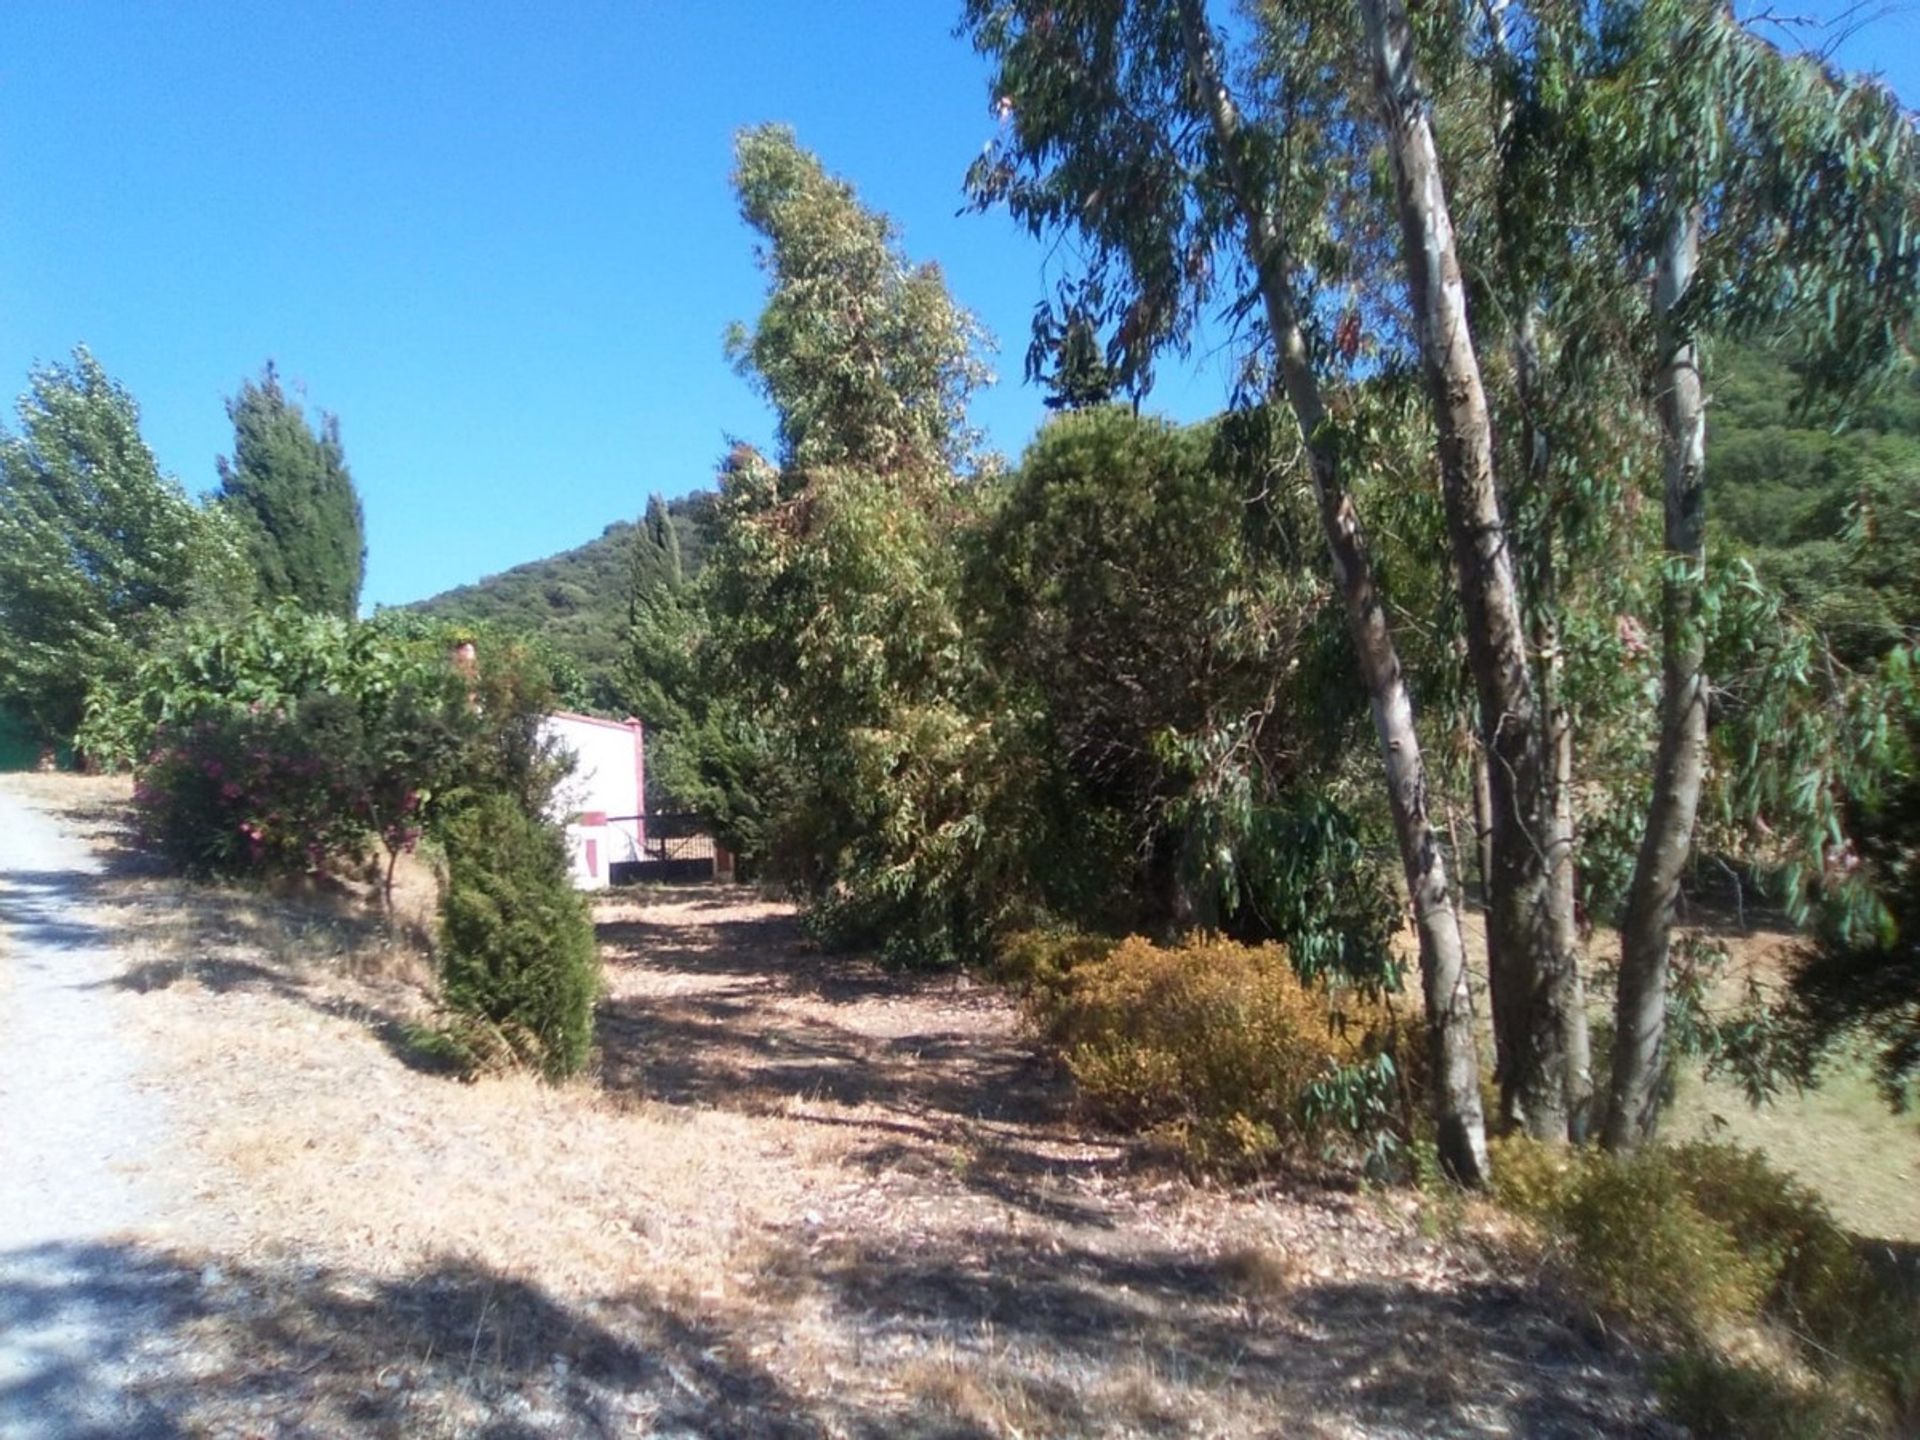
x: 519, y: 968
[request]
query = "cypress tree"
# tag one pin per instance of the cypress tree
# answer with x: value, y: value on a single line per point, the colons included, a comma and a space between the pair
x: 518, y: 954
x: 292, y: 492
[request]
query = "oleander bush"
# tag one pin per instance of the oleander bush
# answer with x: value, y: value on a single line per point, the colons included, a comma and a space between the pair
x: 294, y: 744
x: 261, y: 790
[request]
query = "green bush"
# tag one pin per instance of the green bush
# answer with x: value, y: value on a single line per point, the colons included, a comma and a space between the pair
x: 519, y: 967
x: 1223, y: 1049
x: 289, y: 743
x: 1038, y: 963
x: 1718, y: 1398
x: 1698, y: 1241
x: 253, y: 790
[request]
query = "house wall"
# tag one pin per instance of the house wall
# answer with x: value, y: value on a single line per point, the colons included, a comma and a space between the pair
x: 603, y: 803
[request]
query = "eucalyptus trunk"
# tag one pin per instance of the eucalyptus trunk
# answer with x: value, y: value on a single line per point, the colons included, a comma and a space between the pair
x: 1640, y: 1024
x: 1482, y: 820
x: 1543, y: 579
x: 1527, y: 973
x: 1563, y: 928
x: 1443, y: 968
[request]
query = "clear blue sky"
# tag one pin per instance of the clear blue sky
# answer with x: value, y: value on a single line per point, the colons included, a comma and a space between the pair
x: 495, y: 239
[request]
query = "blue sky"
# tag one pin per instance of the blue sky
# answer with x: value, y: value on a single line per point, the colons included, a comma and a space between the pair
x: 495, y: 239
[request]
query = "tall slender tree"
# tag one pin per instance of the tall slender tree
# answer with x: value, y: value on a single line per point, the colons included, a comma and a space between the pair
x: 290, y: 489
x: 1772, y: 191
x: 831, y: 588
x: 1536, y: 991
x: 1123, y: 125
x: 97, y: 547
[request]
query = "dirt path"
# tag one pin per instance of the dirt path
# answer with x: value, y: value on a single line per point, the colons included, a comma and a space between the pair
x: 801, y: 1198
x: 76, y: 1131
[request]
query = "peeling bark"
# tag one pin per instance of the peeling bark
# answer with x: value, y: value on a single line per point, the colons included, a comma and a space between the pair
x: 1528, y: 972
x: 1443, y: 971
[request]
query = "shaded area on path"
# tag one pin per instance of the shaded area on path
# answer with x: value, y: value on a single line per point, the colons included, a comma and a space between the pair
x: 718, y: 1004
x: 981, y: 1266
x: 457, y: 1348
x: 303, y: 1352
x: 708, y: 1009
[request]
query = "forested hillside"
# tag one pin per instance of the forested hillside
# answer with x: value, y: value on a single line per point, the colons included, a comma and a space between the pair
x: 577, y: 601
x: 1830, y: 512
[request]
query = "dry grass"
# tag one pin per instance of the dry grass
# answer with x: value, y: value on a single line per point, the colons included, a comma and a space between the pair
x: 1839, y: 1138
x: 800, y: 1197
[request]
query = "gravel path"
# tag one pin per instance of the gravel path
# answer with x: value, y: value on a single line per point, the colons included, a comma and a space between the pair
x: 73, y: 1129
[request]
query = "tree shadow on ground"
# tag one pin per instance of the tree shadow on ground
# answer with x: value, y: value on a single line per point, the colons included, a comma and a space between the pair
x: 928, y: 1069
x: 1368, y: 1356
x: 220, y: 937
x: 769, y: 949
x: 124, y: 1340
x: 734, y: 1013
x: 39, y: 906
x: 1054, y: 1316
x: 121, y: 1340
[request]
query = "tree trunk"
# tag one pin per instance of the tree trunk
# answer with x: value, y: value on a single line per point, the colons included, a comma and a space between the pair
x: 1563, y: 928
x: 1640, y: 1025
x: 1482, y: 820
x: 1526, y: 973
x: 1443, y: 970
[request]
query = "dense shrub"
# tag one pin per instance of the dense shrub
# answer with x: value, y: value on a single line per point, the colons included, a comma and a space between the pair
x: 1720, y: 1398
x: 290, y: 743
x: 1224, y: 1050
x: 1692, y: 1241
x: 254, y: 789
x: 1641, y: 1247
x: 1038, y: 963
x: 519, y: 968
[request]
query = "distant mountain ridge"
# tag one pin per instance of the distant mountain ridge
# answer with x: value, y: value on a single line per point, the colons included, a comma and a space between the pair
x: 575, y: 600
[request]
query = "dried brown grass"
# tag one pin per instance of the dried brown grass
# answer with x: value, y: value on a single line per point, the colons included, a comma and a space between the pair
x: 799, y: 1197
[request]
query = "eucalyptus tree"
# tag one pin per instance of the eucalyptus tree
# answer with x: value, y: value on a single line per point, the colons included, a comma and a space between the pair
x: 831, y: 590
x: 1540, y: 1018
x: 1658, y: 176
x: 864, y: 356
x: 1122, y: 125
x: 1770, y: 192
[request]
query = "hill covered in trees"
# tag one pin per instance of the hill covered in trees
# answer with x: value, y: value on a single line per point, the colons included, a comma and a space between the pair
x: 1828, y: 511
x: 578, y: 600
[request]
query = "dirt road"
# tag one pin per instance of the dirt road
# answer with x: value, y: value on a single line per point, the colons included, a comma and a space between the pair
x: 76, y: 1130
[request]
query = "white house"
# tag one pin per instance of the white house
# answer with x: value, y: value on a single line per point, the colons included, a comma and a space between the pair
x: 603, y: 803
